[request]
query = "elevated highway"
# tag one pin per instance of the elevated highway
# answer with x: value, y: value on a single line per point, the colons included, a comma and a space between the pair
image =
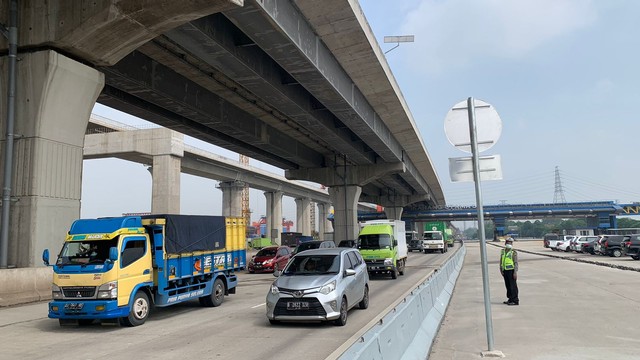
x: 298, y: 84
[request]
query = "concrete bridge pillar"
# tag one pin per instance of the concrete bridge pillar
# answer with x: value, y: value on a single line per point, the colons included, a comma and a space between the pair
x: 54, y: 99
x: 393, y: 212
x: 345, y: 215
x: 274, y: 215
x: 303, y: 215
x: 324, y: 225
x: 165, y: 193
x: 231, y: 197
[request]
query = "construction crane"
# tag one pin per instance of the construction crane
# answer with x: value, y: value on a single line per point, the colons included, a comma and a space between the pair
x: 246, y: 211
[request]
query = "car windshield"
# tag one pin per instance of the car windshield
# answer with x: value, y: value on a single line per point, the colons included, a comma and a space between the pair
x: 85, y: 252
x: 313, y: 265
x: 267, y: 252
x: 374, y: 241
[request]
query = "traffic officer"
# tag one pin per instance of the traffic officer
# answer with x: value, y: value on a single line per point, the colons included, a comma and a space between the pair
x: 509, y: 271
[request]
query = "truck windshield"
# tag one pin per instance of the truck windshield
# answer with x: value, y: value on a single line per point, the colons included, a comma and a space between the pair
x: 85, y: 252
x: 432, y: 236
x: 374, y: 241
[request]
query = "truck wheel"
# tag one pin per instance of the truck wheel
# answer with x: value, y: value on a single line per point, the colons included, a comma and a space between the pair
x: 216, y: 297
x: 442, y: 251
x: 401, y: 269
x: 394, y: 273
x: 139, y: 310
x: 342, y: 320
x: 617, y: 252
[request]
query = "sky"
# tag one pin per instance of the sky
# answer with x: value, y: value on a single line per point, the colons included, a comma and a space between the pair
x: 562, y: 75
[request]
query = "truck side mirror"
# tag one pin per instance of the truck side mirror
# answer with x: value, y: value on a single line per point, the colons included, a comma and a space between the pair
x: 395, y: 242
x: 113, y: 253
x: 45, y: 256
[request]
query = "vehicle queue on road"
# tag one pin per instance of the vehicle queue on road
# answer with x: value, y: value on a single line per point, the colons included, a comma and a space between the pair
x: 604, y: 245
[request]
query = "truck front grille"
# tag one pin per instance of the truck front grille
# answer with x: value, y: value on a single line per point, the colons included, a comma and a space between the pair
x: 78, y: 292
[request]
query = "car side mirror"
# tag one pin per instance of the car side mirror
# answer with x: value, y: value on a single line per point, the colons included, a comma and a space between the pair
x: 277, y: 273
x: 349, y: 272
x: 45, y: 256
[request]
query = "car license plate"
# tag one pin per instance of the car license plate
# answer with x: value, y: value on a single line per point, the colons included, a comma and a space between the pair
x: 73, y: 306
x: 297, y: 305
x: 433, y: 246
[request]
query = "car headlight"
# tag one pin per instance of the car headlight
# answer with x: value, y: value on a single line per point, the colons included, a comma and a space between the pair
x: 267, y: 262
x: 108, y: 290
x: 388, y: 261
x: 274, y: 289
x: 326, y: 289
x: 56, y: 292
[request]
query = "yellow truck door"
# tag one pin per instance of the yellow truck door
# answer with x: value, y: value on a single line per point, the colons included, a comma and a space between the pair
x: 135, y: 266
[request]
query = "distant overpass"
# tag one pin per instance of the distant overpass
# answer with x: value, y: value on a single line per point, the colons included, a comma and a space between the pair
x: 599, y: 214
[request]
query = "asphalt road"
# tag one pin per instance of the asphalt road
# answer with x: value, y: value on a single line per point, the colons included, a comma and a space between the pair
x: 238, y: 329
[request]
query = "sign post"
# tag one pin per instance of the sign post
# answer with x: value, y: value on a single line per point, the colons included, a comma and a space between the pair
x: 464, y: 136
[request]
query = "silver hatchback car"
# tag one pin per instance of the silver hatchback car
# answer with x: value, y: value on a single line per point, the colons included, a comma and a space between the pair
x: 319, y: 285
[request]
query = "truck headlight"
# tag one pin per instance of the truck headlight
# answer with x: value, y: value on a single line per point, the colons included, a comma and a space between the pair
x: 56, y: 292
x: 108, y: 290
x: 326, y: 289
x: 388, y: 261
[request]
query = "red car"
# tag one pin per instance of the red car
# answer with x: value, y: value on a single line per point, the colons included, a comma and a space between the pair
x: 270, y: 258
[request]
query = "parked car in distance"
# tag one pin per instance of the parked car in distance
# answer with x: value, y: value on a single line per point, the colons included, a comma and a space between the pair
x: 550, y: 239
x: 269, y: 259
x: 315, y: 244
x: 415, y: 244
x: 348, y: 243
x: 589, y: 245
x: 632, y: 246
x: 564, y: 244
x: 319, y: 285
x: 578, y: 243
x: 612, y: 244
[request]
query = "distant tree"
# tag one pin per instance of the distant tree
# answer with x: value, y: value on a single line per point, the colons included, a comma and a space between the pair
x: 471, y: 233
x: 624, y: 223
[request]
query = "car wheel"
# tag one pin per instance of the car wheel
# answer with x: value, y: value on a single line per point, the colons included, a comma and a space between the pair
x: 364, y: 303
x: 216, y: 297
x: 139, y: 310
x: 635, y: 257
x: 617, y: 253
x: 342, y: 320
x: 274, y: 322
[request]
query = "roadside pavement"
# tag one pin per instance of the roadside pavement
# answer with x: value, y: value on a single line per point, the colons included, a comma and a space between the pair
x: 568, y: 309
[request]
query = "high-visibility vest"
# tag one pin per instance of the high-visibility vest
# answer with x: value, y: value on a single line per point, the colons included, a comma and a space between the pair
x: 506, y: 260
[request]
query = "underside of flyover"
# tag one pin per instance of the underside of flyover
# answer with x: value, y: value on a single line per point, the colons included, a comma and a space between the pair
x: 298, y: 84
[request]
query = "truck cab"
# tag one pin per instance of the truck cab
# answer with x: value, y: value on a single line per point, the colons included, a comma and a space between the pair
x: 383, y: 245
x: 433, y: 241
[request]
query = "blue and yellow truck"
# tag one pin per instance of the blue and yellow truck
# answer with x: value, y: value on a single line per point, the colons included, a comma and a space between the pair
x: 116, y: 269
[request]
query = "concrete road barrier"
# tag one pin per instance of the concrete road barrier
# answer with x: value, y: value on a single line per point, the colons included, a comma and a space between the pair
x: 25, y: 285
x: 408, y: 330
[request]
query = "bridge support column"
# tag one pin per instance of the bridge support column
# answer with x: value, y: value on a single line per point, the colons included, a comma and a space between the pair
x: 231, y: 197
x: 54, y: 98
x: 394, y: 212
x: 303, y: 215
x: 345, y: 216
x: 165, y: 198
x: 499, y: 224
x: 274, y: 216
x: 324, y: 225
